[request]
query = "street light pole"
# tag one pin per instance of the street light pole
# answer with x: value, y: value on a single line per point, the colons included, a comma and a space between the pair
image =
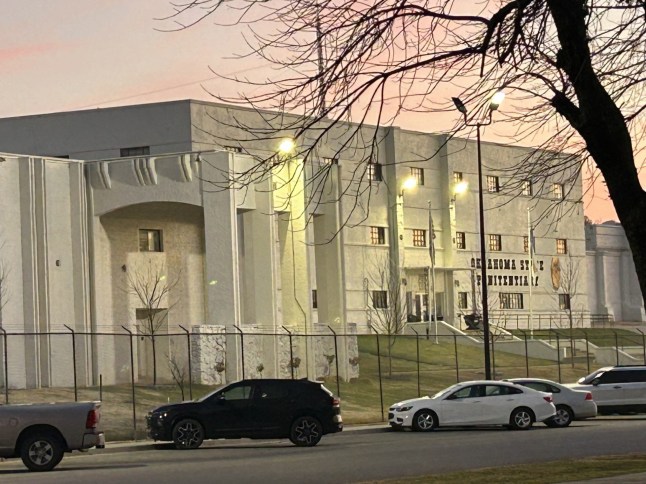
x: 495, y: 103
x: 483, y: 262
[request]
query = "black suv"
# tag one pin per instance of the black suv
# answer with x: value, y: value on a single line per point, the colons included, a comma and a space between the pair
x: 302, y: 410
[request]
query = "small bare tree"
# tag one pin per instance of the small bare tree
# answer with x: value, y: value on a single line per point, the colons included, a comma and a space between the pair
x: 152, y: 288
x: 389, y: 309
x: 570, y: 272
x: 178, y: 371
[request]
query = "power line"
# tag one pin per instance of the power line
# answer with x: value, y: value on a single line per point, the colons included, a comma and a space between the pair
x: 169, y: 88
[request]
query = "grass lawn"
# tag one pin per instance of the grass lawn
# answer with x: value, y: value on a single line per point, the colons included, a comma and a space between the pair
x: 550, y: 472
x: 596, y: 336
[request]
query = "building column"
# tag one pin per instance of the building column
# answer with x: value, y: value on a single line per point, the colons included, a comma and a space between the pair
x: 221, y: 272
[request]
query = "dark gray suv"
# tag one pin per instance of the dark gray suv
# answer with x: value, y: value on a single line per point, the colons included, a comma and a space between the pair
x: 301, y: 410
x: 616, y: 389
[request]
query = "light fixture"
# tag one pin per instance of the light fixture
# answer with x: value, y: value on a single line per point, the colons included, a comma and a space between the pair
x: 408, y: 184
x: 286, y: 146
x: 459, y: 105
x: 496, y: 100
x: 461, y: 187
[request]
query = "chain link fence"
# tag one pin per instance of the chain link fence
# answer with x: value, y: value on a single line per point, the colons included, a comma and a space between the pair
x: 132, y: 373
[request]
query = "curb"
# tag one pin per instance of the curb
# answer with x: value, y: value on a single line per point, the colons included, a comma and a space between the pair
x: 148, y: 445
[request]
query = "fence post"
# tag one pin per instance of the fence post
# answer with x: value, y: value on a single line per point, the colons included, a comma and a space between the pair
x: 336, y: 360
x: 526, y: 355
x: 381, y: 390
x: 558, y: 355
x: 242, y: 348
x: 132, y: 378
x: 419, y: 392
x: 291, y: 352
x: 493, y: 356
x: 616, y: 346
x: 457, y: 361
x: 643, y: 343
x: 190, y: 368
x: 587, y: 350
x: 6, y: 362
x: 76, y: 395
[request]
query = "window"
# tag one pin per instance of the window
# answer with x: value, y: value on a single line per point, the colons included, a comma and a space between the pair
x: 557, y: 191
x: 374, y: 172
x: 272, y: 390
x: 463, y: 301
x: 527, y: 188
x: 419, y: 238
x: 460, y: 240
x: 457, y: 177
x: 233, y: 149
x: 511, y: 300
x: 241, y: 392
x: 379, y: 299
x: 418, y: 174
x: 493, y: 184
x: 564, y: 301
x: 150, y: 240
x: 561, y: 246
x: 377, y: 235
x: 526, y: 244
x: 330, y: 161
x: 315, y: 301
x: 135, y: 151
x: 495, y: 242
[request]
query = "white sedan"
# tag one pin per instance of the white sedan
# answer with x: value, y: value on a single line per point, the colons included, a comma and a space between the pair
x: 474, y: 403
x: 570, y: 404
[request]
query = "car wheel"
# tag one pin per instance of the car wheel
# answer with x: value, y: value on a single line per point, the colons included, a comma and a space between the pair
x: 41, y: 451
x: 188, y: 434
x: 306, y: 432
x: 563, y: 417
x: 521, y: 419
x: 424, y: 421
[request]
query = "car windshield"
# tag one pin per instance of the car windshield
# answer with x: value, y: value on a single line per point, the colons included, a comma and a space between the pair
x: 209, y: 395
x: 588, y: 379
x: 446, y: 391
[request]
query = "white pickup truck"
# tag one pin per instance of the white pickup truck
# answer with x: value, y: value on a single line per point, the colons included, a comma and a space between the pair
x: 40, y: 433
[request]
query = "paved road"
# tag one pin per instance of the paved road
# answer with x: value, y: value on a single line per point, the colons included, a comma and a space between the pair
x: 346, y: 457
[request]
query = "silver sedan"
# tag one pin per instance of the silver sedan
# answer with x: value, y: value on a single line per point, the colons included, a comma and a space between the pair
x: 570, y: 404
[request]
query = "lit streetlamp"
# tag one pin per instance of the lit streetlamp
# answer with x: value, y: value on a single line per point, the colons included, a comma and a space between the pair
x: 494, y: 104
x: 286, y: 146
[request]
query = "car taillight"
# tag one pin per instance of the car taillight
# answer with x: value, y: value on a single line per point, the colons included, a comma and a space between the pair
x: 92, y: 419
x: 336, y: 402
x: 588, y: 396
x: 548, y: 399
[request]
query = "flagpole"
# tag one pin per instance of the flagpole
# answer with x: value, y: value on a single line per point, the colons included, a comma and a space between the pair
x: 530, y: 246
x: 431, y: 250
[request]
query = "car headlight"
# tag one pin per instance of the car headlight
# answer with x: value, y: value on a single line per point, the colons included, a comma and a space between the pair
x: 404, y: 409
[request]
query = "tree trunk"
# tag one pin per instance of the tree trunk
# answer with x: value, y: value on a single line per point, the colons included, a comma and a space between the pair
x: 603, y: 127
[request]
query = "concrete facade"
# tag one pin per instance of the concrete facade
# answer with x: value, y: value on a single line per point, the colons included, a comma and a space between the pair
x: 612, y: 280
x: 249, y: 259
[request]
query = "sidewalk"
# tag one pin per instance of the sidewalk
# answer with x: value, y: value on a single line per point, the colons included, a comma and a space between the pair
x: 142, y: 445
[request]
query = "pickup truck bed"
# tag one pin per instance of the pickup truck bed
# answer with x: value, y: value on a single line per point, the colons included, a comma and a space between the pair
x: 40, y: 433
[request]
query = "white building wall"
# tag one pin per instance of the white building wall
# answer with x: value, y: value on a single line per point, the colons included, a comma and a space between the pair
x: 612, y: 272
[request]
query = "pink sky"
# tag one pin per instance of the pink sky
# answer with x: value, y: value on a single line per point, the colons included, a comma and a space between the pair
x: 78, y: 54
